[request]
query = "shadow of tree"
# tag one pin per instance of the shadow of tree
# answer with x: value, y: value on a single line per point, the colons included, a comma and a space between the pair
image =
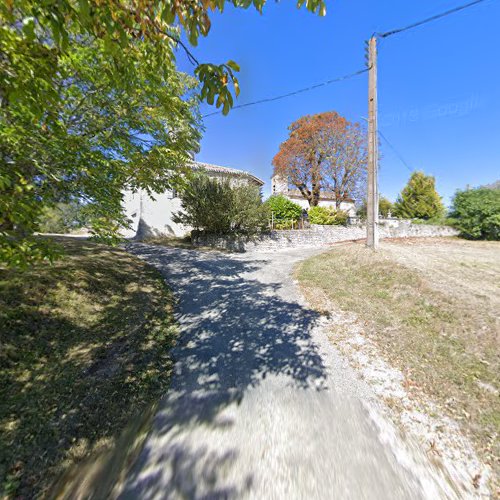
x: 84, y: 346
x: 235, y: 332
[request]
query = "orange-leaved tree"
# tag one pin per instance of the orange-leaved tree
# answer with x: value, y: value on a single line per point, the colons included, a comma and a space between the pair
x: 325, y: 154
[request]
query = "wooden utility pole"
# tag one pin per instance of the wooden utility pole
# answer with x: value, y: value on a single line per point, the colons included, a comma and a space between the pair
x: 372, y: 192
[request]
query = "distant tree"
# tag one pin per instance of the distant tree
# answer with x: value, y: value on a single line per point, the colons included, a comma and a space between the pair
x: 419, y: 199
x: 384, y: 207
x: 476, y: 213
x: 324, y: 152
x: 62, y: 218
x: 216, y: 207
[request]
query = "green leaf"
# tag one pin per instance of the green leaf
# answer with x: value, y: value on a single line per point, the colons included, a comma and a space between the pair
x: 233, y: 66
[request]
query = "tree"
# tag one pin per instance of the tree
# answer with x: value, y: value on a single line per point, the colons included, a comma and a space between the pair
x: 385, y: 207
x: 216, y: 207
x: 91, y: 102
x: 419, y: 199
x: 62, y: 218
x: 476, y: 213
x: 93, y: 137
x: 324, y: 153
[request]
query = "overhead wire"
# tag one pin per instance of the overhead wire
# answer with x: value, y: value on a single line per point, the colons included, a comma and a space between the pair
x: 395, y: 151
x: 429, y: 19
x: 295, y: 92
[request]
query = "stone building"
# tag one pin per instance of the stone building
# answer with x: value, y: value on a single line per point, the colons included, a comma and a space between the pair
x: 153, y: 217
x: 280, y: 185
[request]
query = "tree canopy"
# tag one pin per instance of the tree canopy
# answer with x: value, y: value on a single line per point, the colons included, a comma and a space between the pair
x: 476, y: 213
x: 419, y: 199
x: 324, y: 153
x: 91, y: 102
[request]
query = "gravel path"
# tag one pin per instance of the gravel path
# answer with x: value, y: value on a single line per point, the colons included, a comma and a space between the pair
x: 261, y: 405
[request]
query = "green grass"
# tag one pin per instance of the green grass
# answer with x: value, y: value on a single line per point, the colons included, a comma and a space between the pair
x: 84, y: 347
x: 445, y: 344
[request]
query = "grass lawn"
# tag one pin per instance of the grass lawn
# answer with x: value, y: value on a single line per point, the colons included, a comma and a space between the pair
x: 431, y: 306
x: 84, y: 347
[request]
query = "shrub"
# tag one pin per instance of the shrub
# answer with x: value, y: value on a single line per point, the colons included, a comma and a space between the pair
x: 283, y: 208
x: 327, y: 216
x: 216, y: 207
x: 419, y: 199
x: 476, y: 213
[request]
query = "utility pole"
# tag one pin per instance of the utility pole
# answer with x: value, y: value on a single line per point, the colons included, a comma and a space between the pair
x: 372, y: 192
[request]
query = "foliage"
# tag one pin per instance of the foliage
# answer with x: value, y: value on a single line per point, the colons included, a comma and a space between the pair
x: 62, y: 218
x: 74, y: 369
x: 385, y: 207
x: 216, y: 207
x: 476, y: 213
x: 324, y: 153
x: 91, y: 102
x: 327, y: 216
x: 284, y: 209
x: 419, y: 199
x: 91, y: 137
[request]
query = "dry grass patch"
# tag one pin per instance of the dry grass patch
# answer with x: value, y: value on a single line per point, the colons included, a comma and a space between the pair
x: 85, y: 346
x: 430, y: 306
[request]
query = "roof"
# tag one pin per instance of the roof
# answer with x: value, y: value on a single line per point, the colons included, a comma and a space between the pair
x: 225, y: 170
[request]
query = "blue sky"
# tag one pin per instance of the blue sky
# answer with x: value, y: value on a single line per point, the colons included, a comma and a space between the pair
x: 439, y: 91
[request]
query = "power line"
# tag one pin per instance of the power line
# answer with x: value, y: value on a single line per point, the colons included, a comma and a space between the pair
x: 395, y: 151
x: 295, y: 92
x: 429, y: 19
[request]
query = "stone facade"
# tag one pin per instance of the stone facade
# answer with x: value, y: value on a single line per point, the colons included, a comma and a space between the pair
x: 319, y: 236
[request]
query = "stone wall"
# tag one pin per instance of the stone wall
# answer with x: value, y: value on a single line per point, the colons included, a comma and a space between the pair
x: 319, y: 236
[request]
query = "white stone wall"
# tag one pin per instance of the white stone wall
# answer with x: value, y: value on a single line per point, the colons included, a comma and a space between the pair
x: 319, y: 236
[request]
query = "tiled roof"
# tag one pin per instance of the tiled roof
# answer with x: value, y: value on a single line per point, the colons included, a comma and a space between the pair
x: 225, y: 170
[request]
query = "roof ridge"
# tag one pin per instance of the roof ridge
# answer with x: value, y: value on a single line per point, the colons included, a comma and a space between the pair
x: 220, y: 168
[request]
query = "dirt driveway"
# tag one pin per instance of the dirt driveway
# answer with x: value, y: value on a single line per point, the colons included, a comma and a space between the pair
x: 261, y: 405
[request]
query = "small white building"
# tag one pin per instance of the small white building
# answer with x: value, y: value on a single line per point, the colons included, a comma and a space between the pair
x: 152, y: 217
x: 281, y: 186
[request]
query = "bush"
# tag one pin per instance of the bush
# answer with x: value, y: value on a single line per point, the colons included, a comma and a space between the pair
x: 216, y: 207
x: 283, y: 208
x: 327, y: 216
x: 476, y: 213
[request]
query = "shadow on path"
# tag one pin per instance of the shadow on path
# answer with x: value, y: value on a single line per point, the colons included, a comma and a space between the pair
x: 235, y: 332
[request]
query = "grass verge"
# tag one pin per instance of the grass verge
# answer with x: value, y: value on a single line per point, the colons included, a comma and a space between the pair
x: 85, y: 347
x: 445, y: 342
